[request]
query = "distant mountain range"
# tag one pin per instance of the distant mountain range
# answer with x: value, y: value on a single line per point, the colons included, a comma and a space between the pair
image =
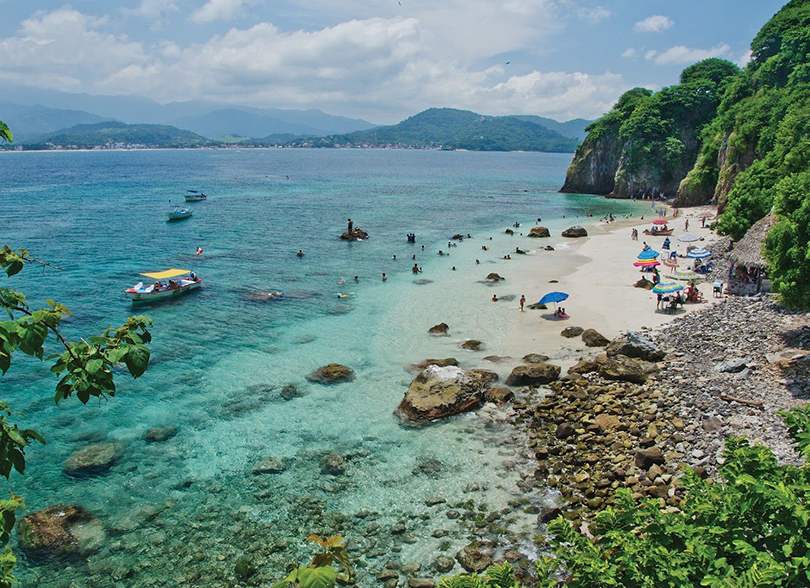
x: 448, y: 128
x: 39, y: 116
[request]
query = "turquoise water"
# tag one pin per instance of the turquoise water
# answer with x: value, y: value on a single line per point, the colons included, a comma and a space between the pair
x: 191, y: 506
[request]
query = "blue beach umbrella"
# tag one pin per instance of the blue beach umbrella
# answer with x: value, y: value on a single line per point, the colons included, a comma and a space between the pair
x: 553, y: 297
x: 648, y: 254
x: 667, y: 288
x: 699, y: 254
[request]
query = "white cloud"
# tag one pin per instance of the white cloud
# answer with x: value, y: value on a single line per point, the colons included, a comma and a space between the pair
x: 214, y: 10
x: 154, y: 10
x: 744, y: 58
x: 631, y: 53
x: 380, y: 68
x: 593, y: 14
x: 60, y: 49
x: 656, y: 23
x: 681, y: 55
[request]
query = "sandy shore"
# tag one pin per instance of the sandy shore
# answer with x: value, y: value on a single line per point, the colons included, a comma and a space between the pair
x: 597, y: 272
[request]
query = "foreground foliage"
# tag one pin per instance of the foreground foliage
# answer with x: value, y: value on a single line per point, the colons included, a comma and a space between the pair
x: 85, y: 368
x: 320, y: 573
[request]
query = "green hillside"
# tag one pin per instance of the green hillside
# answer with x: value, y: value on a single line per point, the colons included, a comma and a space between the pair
x: 108, y: 133
x: 447, y: 128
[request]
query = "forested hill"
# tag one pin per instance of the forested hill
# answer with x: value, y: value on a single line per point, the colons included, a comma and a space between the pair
x: 447, y: 128
x: 752, y: 145
x: 110, y: 133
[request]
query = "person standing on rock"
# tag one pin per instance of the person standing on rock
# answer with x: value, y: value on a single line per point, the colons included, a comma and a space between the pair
x: 351, y: 226
x: 522, y: 301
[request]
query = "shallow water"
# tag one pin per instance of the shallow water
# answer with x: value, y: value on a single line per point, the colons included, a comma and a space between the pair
x: 189, y: 507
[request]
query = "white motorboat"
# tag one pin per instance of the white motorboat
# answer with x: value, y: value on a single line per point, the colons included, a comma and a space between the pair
x: 165, y: 286
x: 178, y: 213
x: 194, y: 196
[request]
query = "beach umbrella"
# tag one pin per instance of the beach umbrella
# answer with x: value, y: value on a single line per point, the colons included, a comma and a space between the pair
x: 670, y: 262
x: 647, y: 263
x: 667, y: 288
x: 648, y: 254
x: 553, y: 297
x: 685, y: 275
x: 659, y: 221
x: 699, y: 254
x: 688, y: 238
x: 707, y: 215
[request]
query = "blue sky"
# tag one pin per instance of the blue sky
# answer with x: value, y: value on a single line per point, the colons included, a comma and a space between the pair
x: 381, y: 60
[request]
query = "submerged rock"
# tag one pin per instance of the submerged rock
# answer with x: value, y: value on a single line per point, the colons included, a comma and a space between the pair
x: 331, y: 374
x: 535, y: 358
x: 575, y: 231
x: 539, y: 232
x: 262, y: 295
x: 475, y: 557
x: 269, y: 465
x: 535, y: 374
x: 339, y: 309
x: 289, y: 392
x: 439, y: 392
x: 472, y: 345
x: 594, y: 338
x: 333, y: 464
x: 93, y: 459
x: 160, y: 434
x: 60, y: 530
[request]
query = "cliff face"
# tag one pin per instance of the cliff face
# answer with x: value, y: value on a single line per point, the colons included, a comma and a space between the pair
x: 593, y: 169
x: 649, y: 141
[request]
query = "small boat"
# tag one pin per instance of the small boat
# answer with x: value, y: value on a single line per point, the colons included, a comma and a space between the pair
x: 165, y: 285
x: 194, y: 196
x: 659, y: 232
x: 179, y: 213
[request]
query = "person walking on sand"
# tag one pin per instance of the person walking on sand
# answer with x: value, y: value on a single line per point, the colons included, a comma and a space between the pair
x: 686, y: 225
x: 522, y: 301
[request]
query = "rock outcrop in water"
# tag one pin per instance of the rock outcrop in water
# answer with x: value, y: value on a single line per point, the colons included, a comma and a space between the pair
x: 93, y: 460
x: 575, y: 232
x: 440, y: 392
x: 357, y: 234
x: 332, y: 373
x: 534, y: 374
x: 539, y: 232
x: 61, y: 530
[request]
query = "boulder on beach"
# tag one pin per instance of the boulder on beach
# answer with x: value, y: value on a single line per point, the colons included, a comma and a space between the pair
x: 535, y: 374
x: 472, y: 345
x: 535, y: 358
x: 584, y: 366
x: 356, y: 234
x: 539, y: 232
x: 623, y: 368
x: 487, y: 375
x: 93, y: 460
x: 635, y: 345
x: 440, y: 329
x: 61, y: 530
x: 331, y: 374
x: 575, y: 231
x: 594, y: 338
x: 160, y: 434
x: 495, y: 277
x: 571, y: 332
x: 439, y: 392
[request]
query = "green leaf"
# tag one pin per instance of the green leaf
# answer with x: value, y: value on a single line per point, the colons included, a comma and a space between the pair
x: 137, y: 359
x: 323, y: 577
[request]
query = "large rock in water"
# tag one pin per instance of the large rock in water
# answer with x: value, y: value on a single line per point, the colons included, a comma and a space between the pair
x: 575, y: 231
x: 440, y: 329
x: 93, y: 459
x: 331, y: 374
x: 61, y: 530
x: 539, y: 232
x: 440, y: 392
x: 160, y: 434
x: 535, y: 374
x: 476, y: 556
x: 634, y: 345
x: 594, y: 338
x: 356, y: 234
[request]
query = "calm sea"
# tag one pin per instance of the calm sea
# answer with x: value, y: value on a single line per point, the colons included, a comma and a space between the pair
x: 182, y: 512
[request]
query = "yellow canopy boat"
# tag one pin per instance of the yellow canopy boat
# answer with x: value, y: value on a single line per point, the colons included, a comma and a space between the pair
x: 165, y: 286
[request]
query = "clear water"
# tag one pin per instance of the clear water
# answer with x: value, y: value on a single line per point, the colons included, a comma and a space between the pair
x: 220, y: 359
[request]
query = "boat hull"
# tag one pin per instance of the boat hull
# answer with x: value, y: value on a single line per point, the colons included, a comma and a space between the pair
x: 194, y: 198
x: 136, y: 296
x: 178, y: 216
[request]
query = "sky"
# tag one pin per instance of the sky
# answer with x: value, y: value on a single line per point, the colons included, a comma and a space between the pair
x: 381, y: 61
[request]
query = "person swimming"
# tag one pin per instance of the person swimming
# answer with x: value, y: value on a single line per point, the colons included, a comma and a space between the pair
x: 356, y: 278
x: 384, y: 278
x: 300, y: 253
x: 339, y: 295
x: 341, y: 281
x: 494, y: 298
